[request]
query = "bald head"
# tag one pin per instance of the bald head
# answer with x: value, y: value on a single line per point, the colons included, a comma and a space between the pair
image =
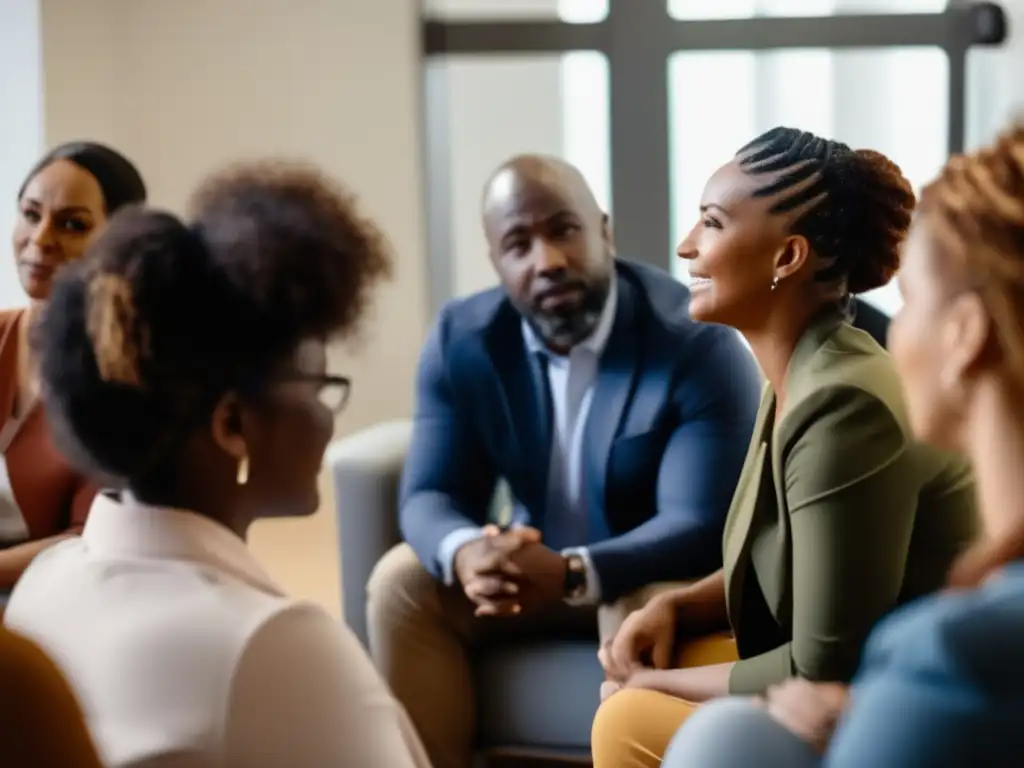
x: 551, y: 245
x: 524, y: 175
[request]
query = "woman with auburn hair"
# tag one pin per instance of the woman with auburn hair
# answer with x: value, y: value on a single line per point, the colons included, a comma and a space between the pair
x: 942, y: 681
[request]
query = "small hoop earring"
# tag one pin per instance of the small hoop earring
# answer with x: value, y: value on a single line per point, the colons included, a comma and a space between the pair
x: 242, y: 476
x: 775, y: 283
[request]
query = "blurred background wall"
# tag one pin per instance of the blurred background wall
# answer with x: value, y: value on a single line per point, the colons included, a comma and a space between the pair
x: 184, y: 86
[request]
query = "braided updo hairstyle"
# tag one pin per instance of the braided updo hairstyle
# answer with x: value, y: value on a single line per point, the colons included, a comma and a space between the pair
x: 144, y: 336
x: 856, y: 204
x: 974, y: 211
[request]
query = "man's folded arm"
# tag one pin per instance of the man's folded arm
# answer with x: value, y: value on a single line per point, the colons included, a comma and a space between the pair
x: 448, y: 479
x: 699, y: 470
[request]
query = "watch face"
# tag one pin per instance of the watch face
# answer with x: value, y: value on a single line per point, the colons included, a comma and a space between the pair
x: 575, y: 576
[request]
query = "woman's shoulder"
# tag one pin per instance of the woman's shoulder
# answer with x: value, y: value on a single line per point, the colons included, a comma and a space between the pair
x: 852, y: 387
x: 294, y: 623
x: 310, y: 644
x: 848, y: 374
x: 8, y: 321
x: 10, y: 316
x: 974, y: 636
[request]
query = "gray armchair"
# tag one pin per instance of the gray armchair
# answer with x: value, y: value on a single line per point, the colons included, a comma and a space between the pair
x: 535, y: 699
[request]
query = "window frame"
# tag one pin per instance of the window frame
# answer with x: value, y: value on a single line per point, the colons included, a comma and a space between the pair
x: 638, y: 37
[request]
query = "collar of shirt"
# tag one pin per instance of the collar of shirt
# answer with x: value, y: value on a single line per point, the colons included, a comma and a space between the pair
x: 595, y: 342
x: 127, y: 528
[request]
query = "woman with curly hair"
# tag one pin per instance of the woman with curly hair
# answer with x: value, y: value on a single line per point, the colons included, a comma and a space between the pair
x: 185, y: 364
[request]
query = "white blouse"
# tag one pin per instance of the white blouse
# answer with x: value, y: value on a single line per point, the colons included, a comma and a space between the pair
x: 183, y: 652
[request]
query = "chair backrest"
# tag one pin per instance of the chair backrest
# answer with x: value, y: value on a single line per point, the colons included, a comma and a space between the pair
x: 41, y: 723
x: 365, y: 471
x: 870, y: 318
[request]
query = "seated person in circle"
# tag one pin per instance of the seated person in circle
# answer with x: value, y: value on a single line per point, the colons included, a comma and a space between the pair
x: 871, y: 319
x: 41, y: 724
x: 839, y: 515
x: 618, y: 423
x: 63, y: 204
x: 942, y: 680
x: 186, y: 365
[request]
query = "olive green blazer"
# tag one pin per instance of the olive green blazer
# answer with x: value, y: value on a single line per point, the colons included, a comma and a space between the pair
x: 838, y: 516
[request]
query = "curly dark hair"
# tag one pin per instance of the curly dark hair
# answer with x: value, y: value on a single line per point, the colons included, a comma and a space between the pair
x: 858, y: 202
x: 161, y: 318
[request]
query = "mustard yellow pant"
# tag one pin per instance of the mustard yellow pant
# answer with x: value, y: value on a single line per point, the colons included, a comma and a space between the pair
x: 633, y: 727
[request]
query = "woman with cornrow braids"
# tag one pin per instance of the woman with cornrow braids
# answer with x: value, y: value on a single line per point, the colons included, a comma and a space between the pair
x: 840, y: 515
x: 942, y: 681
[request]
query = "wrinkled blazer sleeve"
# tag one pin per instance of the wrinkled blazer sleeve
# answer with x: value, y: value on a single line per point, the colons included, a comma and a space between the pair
x: 717, y: 403
x: 448, y: 479
x: 852, y: 500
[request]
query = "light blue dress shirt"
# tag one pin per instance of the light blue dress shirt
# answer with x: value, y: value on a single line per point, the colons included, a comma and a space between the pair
x: 571, y: 380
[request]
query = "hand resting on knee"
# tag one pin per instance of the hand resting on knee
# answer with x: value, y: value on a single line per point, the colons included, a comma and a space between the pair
x: 648, y: 637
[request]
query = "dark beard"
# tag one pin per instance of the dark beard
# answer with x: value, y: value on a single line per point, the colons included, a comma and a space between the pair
x: 565, y: 330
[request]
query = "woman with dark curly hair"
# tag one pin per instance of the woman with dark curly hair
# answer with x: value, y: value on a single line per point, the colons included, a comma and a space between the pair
x: 63, y: 205
x: 839, y: 514
x: 186, y: 365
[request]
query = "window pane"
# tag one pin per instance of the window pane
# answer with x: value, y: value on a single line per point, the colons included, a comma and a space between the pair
x: 586, y: 120
x: 482, y: 111
x: 576, y: 11
x: 891, y: 100
x: 991, y: 96
x: 745, y: 9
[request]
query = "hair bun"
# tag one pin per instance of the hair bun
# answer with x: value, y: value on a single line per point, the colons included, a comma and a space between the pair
x: 879, y: 220
x: 131, y: 265
x: 117, y: 341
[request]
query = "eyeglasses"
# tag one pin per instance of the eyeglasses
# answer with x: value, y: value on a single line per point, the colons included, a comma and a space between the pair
x: 332, y: 391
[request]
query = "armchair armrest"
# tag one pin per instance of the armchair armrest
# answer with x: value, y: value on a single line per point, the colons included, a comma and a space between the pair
x: 365, y: 471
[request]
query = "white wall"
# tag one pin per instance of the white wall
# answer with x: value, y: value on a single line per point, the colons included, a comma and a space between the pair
x: 183, y: 87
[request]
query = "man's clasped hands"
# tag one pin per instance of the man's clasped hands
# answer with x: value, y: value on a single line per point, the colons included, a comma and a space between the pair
x: 504, y: 573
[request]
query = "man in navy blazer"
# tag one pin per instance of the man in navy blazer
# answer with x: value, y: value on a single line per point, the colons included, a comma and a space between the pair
x: 618, y: 424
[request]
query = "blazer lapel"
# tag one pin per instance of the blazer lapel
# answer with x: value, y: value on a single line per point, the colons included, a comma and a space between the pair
x: 616, y: 375
x: 819, y: 330
x: 773, y: 568
x: 736, y: 538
